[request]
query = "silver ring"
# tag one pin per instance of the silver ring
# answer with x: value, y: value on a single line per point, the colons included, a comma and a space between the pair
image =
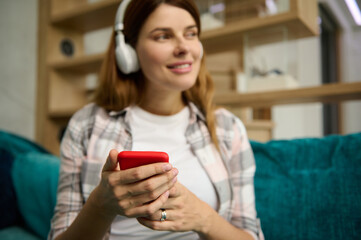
x: 164, y: 215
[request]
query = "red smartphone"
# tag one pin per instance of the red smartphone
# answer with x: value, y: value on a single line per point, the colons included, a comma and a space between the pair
x: 131, y: 159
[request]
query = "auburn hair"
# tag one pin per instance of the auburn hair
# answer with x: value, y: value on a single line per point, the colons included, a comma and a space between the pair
x: 117, y: 90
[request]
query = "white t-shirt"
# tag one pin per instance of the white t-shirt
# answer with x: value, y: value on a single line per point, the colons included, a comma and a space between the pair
x: 152, y: 132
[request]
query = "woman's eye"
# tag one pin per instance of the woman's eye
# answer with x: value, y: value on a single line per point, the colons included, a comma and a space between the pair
x: 191, y: 34
x: 162, y: 37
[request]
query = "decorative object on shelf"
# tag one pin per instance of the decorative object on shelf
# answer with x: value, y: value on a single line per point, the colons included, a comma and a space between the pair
x: 270, y: 64
x: 237, y: 10
x: 212, y: 13
x: 67, y: 47
x: 245, y: 9
x: 271, y: 82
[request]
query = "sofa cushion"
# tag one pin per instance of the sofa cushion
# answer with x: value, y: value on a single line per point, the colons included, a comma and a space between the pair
x: 10, y: 146
x: 16, y: 233
x: 309, y: 188
x: 35, y: 177
x: 16, y: 144
x: 9, y: 213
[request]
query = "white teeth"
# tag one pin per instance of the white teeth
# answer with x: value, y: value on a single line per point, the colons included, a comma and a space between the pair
x: 181, y: 66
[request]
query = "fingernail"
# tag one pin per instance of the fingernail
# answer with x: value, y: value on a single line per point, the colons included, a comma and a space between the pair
x: 167, y: 167
x: 175, y: 172
x: 174, y: 180
x: 166, y: 194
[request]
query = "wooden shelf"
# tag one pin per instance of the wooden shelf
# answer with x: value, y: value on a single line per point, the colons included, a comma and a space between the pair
x: 232, y: 34
x: 87, y: 17
x: 325, y: 93
x: 63, y: 113
x: 259, y: 124
x: 82, y: 65
x: 90, y: 17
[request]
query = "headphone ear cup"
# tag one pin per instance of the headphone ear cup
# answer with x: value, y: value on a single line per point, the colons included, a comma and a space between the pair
x: 126, y: 56
x: 201, y: 54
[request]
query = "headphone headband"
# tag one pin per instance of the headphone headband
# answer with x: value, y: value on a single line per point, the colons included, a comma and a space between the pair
x: 119, y: 17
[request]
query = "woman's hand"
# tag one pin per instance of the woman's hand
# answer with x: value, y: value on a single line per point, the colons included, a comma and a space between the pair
x: 184, y: 212
x: 133, y: 192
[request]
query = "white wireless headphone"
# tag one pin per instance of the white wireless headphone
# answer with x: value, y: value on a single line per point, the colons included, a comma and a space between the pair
x: 125, y: 54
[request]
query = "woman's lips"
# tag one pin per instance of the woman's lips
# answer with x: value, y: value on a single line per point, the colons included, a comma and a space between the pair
x: 183, y: 67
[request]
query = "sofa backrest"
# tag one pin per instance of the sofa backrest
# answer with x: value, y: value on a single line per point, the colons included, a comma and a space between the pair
x: 309, y: 188
x: 28, y: 183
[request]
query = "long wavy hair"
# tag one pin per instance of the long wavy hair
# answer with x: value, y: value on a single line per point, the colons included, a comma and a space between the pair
x: 117, y: 90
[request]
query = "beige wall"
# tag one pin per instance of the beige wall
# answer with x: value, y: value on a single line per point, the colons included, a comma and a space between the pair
x: 18, y: 51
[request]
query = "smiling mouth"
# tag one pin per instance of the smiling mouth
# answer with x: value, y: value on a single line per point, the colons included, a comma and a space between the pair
x: 182, y: 66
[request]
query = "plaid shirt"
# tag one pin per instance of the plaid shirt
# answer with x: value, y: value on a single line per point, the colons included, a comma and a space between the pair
x: 93, y: 132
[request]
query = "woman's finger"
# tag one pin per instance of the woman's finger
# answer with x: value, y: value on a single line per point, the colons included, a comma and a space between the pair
x: 137, y: 174
x: 152, y: 186
x: 165, y: 180
x: 149, y: 194
x: 169, y: 215
x: 177, y: 190
x: 135, y: 200
x: 158, y: 225
x: 111, y: 163
x: 147, y: 209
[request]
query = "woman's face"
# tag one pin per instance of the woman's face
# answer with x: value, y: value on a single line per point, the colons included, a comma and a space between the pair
x: 168, y: 49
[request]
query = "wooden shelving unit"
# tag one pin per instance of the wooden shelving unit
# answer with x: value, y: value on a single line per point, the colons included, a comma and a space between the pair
x: 300, y: 22
x: 86, y: 17
x: 83, y: 64
x: 327, y: 93
x: 61, y: 79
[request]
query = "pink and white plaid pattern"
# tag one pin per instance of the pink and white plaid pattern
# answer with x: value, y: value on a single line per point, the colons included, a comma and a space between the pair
x: 93, y: 132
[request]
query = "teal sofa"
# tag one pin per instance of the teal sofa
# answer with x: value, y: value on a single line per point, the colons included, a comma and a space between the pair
x: 305, y: 188
x: 309, y: 188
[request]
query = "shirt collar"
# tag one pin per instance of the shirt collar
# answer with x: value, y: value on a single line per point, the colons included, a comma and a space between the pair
x: 118, y: 113
x: 195, y: 115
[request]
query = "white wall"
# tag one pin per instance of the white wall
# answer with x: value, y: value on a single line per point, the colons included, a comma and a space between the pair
x: 302, y: 120
x: 18, y: 62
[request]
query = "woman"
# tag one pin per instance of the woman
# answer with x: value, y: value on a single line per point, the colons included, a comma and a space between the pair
x: 161, y: 102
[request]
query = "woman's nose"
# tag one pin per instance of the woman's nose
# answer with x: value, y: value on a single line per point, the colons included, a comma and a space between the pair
x: 181, y: 48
